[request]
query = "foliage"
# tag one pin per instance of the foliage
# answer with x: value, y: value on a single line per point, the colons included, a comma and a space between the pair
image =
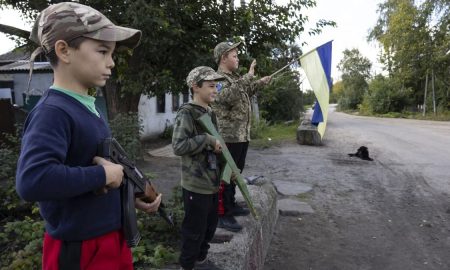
x: 21, y: 229
x: 258, y: 127
x: 21, y: 243
x: 385, y: 95
x: 181, y: 34
x: 126, y: 128
x: 282, y: 99
x: 355, y: 70
x: 414, y: 37
x: 159, y: 240
x: 336, y: 91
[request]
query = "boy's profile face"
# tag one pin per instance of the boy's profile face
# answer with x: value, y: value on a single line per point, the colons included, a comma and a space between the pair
x: 92, y: 62
x: 207, y: 92
x: 231, y: 60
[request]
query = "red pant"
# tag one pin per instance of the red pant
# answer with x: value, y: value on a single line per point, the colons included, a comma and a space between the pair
x: 109, y: 251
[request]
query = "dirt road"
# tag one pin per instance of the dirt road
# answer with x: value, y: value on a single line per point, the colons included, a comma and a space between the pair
x: 392, y: 213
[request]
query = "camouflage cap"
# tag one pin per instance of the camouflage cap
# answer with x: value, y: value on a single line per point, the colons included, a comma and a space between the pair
x: 67, y: 21
x: 224, y: 47
x: 203, y: 73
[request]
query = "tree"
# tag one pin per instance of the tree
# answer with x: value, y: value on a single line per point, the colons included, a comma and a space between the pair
x: 180, y: 34
x: 415, y: 39
x: 355, y: 70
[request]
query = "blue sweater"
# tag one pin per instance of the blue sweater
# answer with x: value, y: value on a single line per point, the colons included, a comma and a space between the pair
x: 55, y: 169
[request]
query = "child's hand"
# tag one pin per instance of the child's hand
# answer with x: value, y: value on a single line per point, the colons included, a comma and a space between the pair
x: 251, y: 70
x: 148, y: 207
x: 113, y: 172
x: 266, y: 79
x: 218, y: 147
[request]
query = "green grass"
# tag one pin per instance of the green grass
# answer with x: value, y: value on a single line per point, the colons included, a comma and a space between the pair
x: 274, y: 135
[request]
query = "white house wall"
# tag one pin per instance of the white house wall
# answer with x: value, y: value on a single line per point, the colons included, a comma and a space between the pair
x: 40, y: 82
x: 154, y: 123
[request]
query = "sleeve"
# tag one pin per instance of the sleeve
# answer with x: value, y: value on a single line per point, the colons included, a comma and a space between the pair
x: 183, y: 140
x: 41, y: 173
x: 255, y: 87
x: 230, y: 92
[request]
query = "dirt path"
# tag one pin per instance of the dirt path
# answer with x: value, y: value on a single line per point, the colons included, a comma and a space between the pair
x: 392, y: 213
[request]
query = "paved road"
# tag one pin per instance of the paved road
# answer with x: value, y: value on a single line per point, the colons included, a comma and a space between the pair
x: 422, y: 146
x: 392, y: 213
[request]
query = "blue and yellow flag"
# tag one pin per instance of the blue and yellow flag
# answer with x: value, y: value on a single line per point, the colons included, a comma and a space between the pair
x: 317, y: 66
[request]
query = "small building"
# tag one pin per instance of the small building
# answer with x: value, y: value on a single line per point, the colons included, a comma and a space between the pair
x: 158, y: 112
x: 14, y: 74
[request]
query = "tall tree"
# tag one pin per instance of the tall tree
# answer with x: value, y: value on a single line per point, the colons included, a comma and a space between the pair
x: 414, y: 40
x: 181, y: 34
x: 355, y: 69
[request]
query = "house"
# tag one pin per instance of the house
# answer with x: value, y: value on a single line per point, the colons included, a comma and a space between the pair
x: 14, y: 74
x: 158, y: 112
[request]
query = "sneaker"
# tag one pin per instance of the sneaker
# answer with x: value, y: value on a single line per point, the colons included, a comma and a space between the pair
x: 206, y: 265
x: 239, y: 211
x: 229, y: 223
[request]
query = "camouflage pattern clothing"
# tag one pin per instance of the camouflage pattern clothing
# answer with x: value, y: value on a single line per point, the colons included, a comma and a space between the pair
x: 233, y: 106
x: 193, y: 144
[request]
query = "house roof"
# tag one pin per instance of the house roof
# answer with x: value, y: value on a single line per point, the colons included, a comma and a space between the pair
x: 20, y: 53
x: 25, y: 66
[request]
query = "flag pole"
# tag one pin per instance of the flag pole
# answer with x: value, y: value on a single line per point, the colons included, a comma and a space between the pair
x: 283, y: 68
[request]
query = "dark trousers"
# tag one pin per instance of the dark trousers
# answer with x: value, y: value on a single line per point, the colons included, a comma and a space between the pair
x: 198, y: 228
x: 239, y: 152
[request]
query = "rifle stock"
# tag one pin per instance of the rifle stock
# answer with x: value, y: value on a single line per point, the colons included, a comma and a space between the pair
x: 134, y: 185
x: 230, y: 166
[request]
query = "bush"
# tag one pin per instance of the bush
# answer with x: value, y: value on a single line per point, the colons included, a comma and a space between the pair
x: 385, y: 95
x: 126, y: 129
x: 282, y: 99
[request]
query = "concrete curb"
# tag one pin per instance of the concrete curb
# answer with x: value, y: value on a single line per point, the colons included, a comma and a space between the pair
x: 247, y: 249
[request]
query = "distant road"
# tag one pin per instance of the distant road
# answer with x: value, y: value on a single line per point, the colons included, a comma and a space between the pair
x: 421, y: 145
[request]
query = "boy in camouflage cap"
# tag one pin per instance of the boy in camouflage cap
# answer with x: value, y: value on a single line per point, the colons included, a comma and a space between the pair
x: 58, y: 166
x: 200, y: 170
x: 233, y: 108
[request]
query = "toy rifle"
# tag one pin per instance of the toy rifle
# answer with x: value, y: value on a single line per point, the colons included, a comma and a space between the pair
x: 230, y: 166
x: 134, y: 185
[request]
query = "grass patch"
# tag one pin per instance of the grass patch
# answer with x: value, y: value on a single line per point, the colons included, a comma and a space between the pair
x: 274, y: 135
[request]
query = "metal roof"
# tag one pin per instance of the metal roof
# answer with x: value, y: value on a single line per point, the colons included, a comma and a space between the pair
x: 25, y: 66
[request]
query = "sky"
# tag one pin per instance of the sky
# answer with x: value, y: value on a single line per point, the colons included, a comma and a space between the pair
x: 354, y: 18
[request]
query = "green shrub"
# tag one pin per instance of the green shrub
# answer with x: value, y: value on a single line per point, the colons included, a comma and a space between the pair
x: 385, y: 95
x: 126, y: 129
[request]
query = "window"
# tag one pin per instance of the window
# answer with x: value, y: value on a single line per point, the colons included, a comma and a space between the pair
x: 185, y: 97
x: 161, y: 103
x: 175, y: 102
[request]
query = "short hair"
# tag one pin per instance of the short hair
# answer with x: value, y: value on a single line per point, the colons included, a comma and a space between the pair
x: 199, y: 84
x: 74, y: 43
x: 225, y: 54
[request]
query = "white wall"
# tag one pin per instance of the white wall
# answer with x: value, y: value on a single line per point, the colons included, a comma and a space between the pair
x: 39, y: 84
x: 153, y: 123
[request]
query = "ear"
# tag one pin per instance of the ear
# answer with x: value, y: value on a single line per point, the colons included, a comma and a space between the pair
x: 62, y: 51
x: 223, y: 58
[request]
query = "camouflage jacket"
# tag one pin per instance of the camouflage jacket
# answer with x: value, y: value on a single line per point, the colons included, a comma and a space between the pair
x: 194, y: 145
x: 233, y: 106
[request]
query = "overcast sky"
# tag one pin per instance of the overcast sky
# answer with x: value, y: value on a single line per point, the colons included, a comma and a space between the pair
x: 354, y: 18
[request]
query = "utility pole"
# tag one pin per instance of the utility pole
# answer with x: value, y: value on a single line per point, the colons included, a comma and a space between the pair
x: 432, y: 87
x: 425, y: 95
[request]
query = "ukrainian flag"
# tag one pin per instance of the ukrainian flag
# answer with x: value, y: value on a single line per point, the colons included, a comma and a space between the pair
x: 317, y: 66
